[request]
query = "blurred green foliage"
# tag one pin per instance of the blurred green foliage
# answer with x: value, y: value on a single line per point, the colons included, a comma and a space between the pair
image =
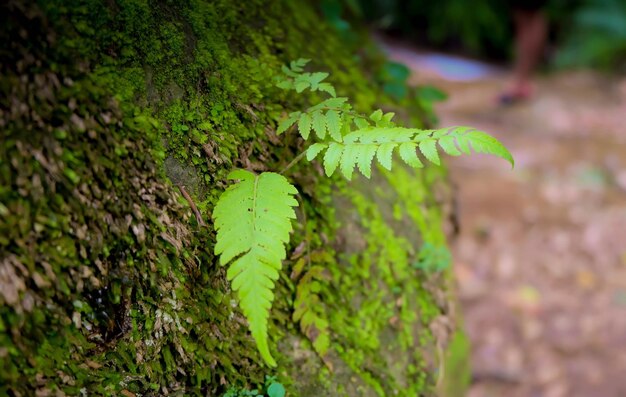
x: 597, y: 36
x: 426, y: 96
x: 394, y: 75
x: 484, y: 30
x: 585, y: 33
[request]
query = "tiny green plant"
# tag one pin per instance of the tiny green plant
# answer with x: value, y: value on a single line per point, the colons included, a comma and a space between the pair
x: 432, y: 257
x: 253, y: 216
x: 272, y: 388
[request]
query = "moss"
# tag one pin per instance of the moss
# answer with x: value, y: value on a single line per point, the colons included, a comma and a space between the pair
x: 381, y: 316
x: 109, y: 285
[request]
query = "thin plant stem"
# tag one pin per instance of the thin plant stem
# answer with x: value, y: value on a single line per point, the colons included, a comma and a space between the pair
x: 293, y: 162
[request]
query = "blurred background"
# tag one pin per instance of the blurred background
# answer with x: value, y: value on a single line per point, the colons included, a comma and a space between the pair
x: 582, y: 33
x: 540, y: 258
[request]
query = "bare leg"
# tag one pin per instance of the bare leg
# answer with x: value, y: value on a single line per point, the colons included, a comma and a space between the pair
x: 530, y: 36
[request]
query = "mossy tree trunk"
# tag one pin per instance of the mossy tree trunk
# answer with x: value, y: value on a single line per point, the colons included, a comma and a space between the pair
x: 117, y: 118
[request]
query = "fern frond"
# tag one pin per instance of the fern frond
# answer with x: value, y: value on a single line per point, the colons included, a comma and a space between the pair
x: 361, y: 146
x: 296, y: 79
x: 376, y: 135
x: 308, y: 304
x: 299, y: 64
x: 253, y: 221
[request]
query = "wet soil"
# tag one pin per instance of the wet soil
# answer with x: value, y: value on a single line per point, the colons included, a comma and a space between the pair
x: 541, y: 257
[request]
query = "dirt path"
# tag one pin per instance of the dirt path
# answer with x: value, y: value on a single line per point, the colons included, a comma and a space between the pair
x: 541, y: 259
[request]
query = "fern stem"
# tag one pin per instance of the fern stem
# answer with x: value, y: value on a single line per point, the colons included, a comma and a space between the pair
x: 293, y: 162
x: 341, y: 110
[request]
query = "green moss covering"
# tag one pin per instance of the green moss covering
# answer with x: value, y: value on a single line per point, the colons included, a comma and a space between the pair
x: 108, y: 284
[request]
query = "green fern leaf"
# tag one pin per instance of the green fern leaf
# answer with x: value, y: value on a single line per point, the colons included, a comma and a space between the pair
x: 361, y: 123
x: 299, y: 64
x: 409, y: 155
x: 361, y: 146
x: 301, y: 85
x: 384, y: 154
x: 345, y: 126
x: 316, y: 78
x: 332, y: 157
x: 448, y: 144
x: 376, y: 115
x: 285, y: 84
x: 364, y: 161
x: 429, y: 150
x: 288, y: 122
x: 435, y: 133
x: 333, y: 122
x: 319, y: 124
x: 480, y: 141
x: 288, y: 71
x: 308, y: 310
x: 349, y: 158
x: 330, y: 103
x: 314, y: 150
x: 327, y: 88
x: 253, y: 222
x: 304, y: 125
x: 387, y: 117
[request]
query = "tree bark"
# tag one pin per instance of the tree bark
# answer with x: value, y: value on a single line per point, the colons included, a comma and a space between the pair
x: 108, y: 281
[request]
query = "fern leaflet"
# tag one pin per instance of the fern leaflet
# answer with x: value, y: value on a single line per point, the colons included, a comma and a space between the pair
x: 253, y: 221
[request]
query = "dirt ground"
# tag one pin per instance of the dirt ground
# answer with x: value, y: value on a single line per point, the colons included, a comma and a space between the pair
x: 541, y: 258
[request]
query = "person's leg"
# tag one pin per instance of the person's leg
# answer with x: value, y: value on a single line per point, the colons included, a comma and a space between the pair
x: 530, y: 41
x: 530, y: 37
